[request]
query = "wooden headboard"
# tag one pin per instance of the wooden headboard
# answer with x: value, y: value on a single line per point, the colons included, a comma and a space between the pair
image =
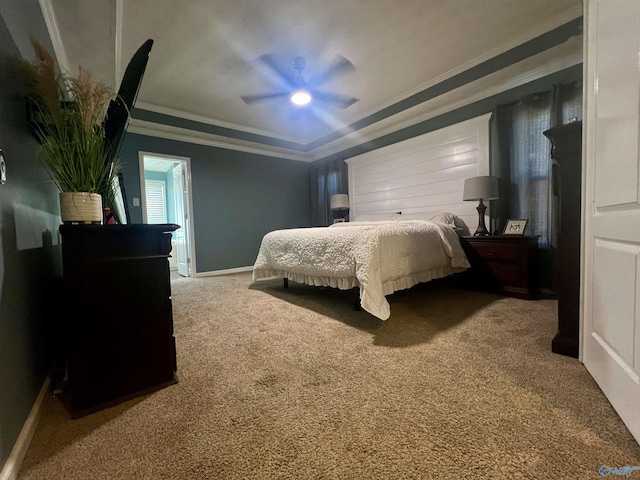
x: 422, y: 174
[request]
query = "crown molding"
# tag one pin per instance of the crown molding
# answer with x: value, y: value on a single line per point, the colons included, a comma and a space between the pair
x: 548, y: 61
x: 546, y: 27
x: 558, y: 21
x: 533, y: 68
x: 212, y: 121
x: 54, y: 33
x: 117, y: 44
x: 169, y: 132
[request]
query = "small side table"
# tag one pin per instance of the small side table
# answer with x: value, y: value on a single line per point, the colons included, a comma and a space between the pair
x: 503, y: 263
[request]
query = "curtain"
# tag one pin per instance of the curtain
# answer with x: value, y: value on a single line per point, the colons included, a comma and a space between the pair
x: 522, y: 159
x: 567, y: 103
x: 530, y: 166
x: 326, y: 180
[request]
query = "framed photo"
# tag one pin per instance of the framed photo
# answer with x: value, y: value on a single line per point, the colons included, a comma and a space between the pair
x: 515, y: 227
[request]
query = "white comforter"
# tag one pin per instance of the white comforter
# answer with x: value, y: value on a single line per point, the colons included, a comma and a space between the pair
x: 378, y: 257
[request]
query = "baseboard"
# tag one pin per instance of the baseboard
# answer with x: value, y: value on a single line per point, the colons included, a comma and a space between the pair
x: 19, y: 450
x: 221, y: 272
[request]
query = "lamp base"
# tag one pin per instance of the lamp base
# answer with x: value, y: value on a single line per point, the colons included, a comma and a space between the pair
x: 341, y: 214
x: 481, y: 231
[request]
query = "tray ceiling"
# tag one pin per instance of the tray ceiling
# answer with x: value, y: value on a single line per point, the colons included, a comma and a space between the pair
x: 205, y: 53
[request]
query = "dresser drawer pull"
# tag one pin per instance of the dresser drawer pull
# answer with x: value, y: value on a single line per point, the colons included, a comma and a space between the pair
x: 491, y: 254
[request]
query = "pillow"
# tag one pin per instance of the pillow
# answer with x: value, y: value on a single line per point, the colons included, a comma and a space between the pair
x: 440, y: 217
x: 376, y: 217
x: 448, y: 218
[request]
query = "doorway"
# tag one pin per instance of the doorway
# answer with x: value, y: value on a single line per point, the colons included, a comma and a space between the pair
x: 165, y: 185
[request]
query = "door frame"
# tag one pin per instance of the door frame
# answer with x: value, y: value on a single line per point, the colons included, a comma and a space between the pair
x: 143, y: 198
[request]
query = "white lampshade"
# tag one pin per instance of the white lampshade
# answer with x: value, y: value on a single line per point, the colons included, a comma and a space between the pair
x: 339, y: 201
x: 481, y: 188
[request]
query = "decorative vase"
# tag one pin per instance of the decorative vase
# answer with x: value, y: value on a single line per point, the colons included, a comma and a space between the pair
x: 81, y: 207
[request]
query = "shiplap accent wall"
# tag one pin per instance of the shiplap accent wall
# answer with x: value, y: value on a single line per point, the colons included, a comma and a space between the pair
x: 422, y: 174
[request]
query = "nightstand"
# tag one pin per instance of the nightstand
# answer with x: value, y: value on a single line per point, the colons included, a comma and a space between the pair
x: 503, y: 263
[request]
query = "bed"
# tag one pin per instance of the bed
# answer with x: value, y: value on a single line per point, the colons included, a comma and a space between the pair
x: 377, y: 255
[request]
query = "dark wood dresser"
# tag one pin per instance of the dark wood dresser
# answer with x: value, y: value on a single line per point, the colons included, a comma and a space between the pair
x: 120, y: 320
x: 503, y: 263
x: 566, y: 153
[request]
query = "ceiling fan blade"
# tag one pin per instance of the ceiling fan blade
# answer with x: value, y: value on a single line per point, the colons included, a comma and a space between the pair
x: 249, y: 99
x: 340, y: 67
x: 284, y: 75
x: 340, y: 101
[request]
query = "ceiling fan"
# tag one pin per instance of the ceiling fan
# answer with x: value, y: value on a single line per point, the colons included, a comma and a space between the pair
x: 301, y: 92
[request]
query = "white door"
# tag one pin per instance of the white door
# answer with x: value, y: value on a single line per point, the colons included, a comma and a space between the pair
x: 182, y: 217
x: 611, y: 246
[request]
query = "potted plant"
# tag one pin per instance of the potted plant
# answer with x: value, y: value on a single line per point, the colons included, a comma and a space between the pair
x: 66, y: 114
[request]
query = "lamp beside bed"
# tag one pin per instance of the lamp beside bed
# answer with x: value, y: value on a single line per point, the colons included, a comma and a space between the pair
x: 339, y: 207
x: 481, y: 188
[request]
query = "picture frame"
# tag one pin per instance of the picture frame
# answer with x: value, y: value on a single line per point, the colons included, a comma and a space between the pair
x: 515, y: 226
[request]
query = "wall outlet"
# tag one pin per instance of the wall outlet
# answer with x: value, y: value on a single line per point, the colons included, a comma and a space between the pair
x: 136, y: 202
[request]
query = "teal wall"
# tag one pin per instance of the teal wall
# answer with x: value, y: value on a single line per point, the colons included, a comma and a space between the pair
x: 30, y: 259
x: 238, y: 197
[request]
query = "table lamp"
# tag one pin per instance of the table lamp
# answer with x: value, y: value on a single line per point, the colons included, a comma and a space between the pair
x: 481, y: 188
x: 340, y: 202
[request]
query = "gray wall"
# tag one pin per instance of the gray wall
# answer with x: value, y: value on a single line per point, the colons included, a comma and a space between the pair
x: 238, y: 197
x: 28, y: 260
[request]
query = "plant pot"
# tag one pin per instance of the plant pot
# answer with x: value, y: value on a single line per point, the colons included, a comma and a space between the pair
x: 81, y: 207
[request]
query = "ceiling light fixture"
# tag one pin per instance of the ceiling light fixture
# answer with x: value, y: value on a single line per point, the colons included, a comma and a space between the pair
x: 298, y: 91
x: 301, y: 97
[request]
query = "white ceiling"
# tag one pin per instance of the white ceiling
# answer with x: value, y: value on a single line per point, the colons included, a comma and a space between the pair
x: 205, y: 51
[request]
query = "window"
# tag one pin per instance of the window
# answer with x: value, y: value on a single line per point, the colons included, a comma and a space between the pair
x: 522, y: 159
x: 530, y: 156
x: 156, y: 201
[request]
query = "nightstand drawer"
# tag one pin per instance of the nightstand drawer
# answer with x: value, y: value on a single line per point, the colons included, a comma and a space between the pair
x: 503, y: 263
x: 497, y: 251
x: 505, y: 273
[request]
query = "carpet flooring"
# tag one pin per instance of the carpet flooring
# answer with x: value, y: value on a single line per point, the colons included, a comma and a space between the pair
x: 295, y: 384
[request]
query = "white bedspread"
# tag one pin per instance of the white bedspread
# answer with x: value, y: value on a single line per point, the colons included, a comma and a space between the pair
x: 378, y: 257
